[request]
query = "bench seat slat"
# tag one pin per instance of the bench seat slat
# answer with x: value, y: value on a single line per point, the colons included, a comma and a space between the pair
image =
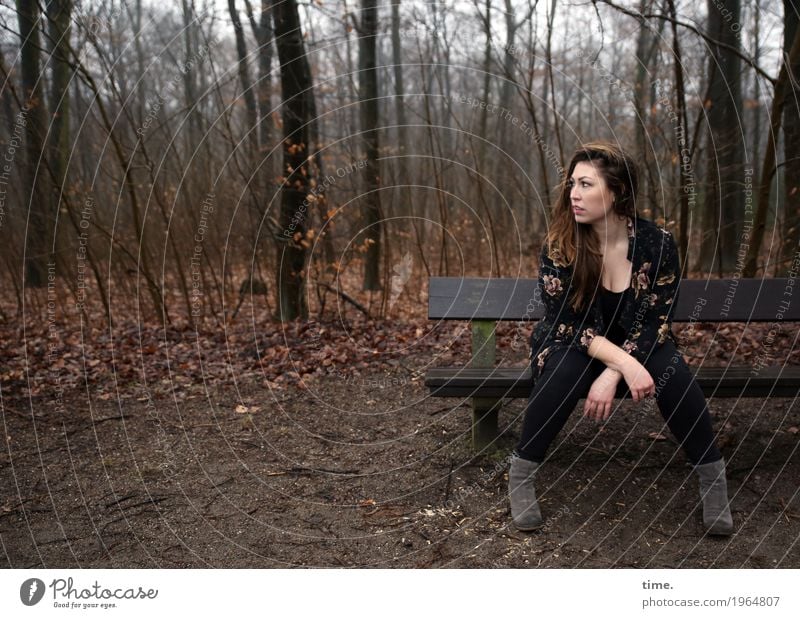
x: 515, y: 382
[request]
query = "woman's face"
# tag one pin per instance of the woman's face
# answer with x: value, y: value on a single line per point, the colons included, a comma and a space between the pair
x: 589, y: 195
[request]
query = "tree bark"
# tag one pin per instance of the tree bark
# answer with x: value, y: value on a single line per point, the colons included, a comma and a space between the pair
x: 683, y: 146
x: 244, y: 73
x: 368, y: 94
x: 31, y: 120
x: 295, y: 80
x: 791, y: 147
x: 782, y: 87
x: 724, y: 201
x: 58, y: 13
x: 646, y: 46
x: 399, y: 92
x: 190, y: 77
x: 262, y: 31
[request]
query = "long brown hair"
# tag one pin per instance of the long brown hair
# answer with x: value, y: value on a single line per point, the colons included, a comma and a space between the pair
x: 576, y: 242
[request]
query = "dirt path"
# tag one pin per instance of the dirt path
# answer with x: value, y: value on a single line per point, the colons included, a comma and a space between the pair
x: 373, y: 473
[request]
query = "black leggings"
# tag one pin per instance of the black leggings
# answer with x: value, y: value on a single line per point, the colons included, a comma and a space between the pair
x: 567, y: 376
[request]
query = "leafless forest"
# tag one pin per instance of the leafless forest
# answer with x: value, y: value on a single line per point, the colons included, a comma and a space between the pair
x: 176, y: 159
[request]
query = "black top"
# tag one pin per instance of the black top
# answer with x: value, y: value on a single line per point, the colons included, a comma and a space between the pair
x: 611, y: 304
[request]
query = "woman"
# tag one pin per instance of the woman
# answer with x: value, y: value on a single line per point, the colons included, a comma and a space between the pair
x: 609, y: 281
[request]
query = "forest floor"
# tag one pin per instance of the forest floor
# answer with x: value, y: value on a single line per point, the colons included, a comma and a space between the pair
x: 364, y: 469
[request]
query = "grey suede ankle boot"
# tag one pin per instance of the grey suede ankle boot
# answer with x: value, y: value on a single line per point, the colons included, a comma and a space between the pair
x: 525, y: 511
x: 717, y: 517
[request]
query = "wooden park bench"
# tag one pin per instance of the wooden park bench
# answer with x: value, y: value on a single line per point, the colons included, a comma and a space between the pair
x: 485, y: 301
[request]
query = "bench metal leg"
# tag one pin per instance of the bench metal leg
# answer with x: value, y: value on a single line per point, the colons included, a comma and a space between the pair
x: 484, y: 421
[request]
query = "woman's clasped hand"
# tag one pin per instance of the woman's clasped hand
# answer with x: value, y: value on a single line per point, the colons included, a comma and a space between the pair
x: 600, y: 399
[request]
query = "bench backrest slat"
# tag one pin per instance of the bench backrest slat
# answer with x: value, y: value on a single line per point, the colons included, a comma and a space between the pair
x: 713, y: 300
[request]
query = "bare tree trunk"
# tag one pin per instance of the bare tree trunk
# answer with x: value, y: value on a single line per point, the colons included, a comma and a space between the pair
x: 724, y: 199
x: 265, y: 73
x: 683, y: 146
x: 315, y: 146
x: 782, y: 87
x: 295, y: 80
x: 549, y: 57
x: 368, y: 94
x: 487, y: 77
x: 351, y: 71
x: 399, y: 92
x: 791, y: 147
x: 9, y: 96
x: 646, y: 46
x: 755, y: 122
x: 262, y: 30
x: 140, y: 92
x: 190, y: 77
x: 32, y: 117
x: 503, y: 151
x: 244, y: 72
x: 59, y: 12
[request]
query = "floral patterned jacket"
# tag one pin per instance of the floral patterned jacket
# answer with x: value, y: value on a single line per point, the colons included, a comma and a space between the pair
x: 646, y: 315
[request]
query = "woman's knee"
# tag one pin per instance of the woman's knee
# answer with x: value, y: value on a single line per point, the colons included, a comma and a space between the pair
x: 567, y: 373
x: 673, y: 378
x: 567, y: 363
x: 666, y: 361
x: 668, y: 370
